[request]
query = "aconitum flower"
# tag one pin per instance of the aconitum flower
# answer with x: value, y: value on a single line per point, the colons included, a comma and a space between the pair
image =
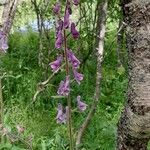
x: 59, y: 40
x: 78, y: 76
x: 1, y: 34
x: 74, y: 32
x: 55, y: 65
x: 64, y: 87
x: 81, y: 106
x: 76, y: 2
x: 66, y: 19
x: 72, y: 59
x: 59, y: 26
x: 61, y: 116
x: 56, y: 8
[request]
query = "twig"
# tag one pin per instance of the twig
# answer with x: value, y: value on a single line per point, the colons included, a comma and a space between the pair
x: 41, y: 86
x: 101, y: 23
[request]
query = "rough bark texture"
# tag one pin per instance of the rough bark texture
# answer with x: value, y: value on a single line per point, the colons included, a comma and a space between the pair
x: 8, y: 15
x: 134, y: 125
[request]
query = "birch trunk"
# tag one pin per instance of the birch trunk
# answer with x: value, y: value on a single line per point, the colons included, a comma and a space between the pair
x: 134, y: 124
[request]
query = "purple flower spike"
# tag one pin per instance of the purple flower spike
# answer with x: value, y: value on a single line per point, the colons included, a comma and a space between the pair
x: 61, y: 117
x: 73, y: 60
x: 55, y: 65
x: 56, y: 8
x: 74, y: 32
x: 78, y: 76
x: 59, y: 40
x: 66, y: 19
x: 81, y: 106
x: 76, y: 2
x: 64, y: 87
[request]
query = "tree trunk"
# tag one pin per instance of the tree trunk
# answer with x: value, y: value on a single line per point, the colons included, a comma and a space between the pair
x: 134, y: 124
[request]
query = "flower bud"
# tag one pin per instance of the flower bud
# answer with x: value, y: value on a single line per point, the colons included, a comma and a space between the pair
x: 56, y: 8
x: 66, y: 19
x: 59, y: 40
x: 74, y: 32
x: 55, y: 65
x: 81, y: 106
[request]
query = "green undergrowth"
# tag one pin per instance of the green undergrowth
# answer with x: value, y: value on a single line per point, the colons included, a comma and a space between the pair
x: 38, y: 118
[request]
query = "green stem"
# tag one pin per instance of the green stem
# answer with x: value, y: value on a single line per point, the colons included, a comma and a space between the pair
x: 68, y: 98
x: 1, y: 107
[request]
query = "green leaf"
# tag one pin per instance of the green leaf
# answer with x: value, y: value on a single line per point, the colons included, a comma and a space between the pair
x: 121, y: 70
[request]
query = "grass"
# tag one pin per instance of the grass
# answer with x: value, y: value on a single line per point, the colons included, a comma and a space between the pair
x: 39, y: 118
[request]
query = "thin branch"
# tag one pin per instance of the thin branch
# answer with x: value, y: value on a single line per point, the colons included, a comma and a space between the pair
x: 41, y: 86
x: 101, y: 25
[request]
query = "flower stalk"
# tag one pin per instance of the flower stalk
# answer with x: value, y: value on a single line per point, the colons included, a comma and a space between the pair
x: 68, y: 97
x: 71, y: 65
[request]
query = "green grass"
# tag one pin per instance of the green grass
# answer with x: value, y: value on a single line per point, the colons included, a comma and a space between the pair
x: 39, y: 118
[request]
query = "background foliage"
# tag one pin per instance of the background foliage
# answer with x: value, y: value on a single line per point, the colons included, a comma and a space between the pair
x: 23, y: 73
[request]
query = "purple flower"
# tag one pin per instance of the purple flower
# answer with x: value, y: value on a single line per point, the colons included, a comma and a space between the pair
x: 73, y: 60
x: 56, y: 8
x: 66, y: 19
x: 59, y: 40
x: 74, y: 32
x: 76, y: 2
x: 1, y: 34
x: 78, y: 76
x: 59, y: 25
x: 61, y: 116
x: 81, y: 106
x: 3, y: 41
x: 64, y: 87
x: 55, y: 65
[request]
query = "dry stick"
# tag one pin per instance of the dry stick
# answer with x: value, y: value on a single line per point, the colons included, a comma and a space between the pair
x: 41, y: 86
x: 101, y: 23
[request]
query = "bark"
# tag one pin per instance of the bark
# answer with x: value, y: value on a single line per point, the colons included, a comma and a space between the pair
x: 8, y: 15
x: 134, y: 124
x: 101, y: 27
